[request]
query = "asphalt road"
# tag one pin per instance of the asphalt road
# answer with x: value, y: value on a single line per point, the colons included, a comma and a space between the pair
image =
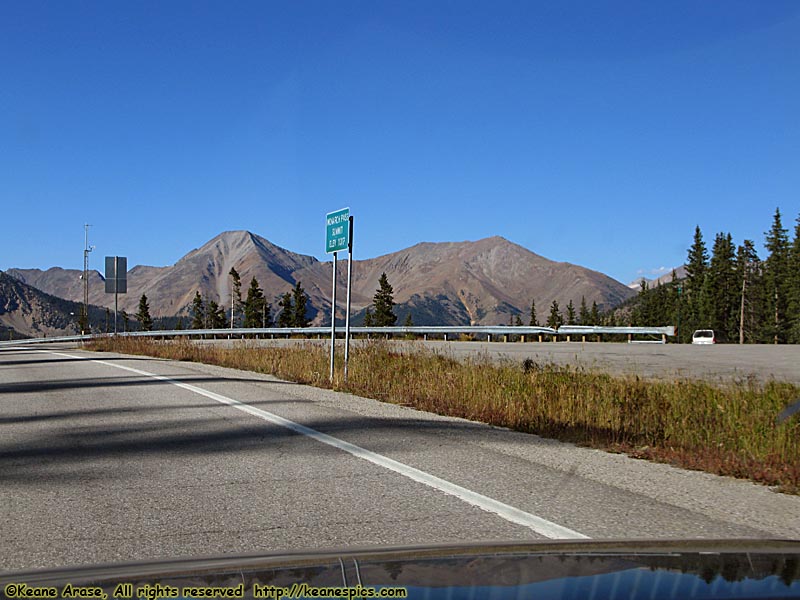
x: 109, y: 458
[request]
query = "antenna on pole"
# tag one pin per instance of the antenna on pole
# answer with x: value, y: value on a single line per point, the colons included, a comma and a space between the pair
x: 84, y: 325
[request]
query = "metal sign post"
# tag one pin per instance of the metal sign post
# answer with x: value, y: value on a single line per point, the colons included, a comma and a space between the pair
x: 333, y: 317
x: 349, y: 283
x: 337, y: 238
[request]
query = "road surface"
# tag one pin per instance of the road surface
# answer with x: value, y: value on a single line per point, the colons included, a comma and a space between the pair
x: 109, y: 458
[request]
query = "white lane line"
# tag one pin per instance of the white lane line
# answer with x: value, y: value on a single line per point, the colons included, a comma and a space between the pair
x: 509, y: 513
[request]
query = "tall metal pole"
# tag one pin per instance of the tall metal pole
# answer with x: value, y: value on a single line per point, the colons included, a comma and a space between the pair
x: 86, y: 250
x: 349, y: 283
x: 333, y: 316
x: 116, y: 291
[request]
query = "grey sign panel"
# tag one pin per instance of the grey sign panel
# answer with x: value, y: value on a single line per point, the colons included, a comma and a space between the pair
x: 116, y: 274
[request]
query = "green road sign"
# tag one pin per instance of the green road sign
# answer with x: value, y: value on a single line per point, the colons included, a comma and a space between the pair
x: 337, y: 230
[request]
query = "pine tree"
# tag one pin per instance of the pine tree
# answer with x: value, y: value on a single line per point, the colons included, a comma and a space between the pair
x: 143, y: 316
x: 722, y: 289
x: 583, y: 314
x: 748, y: 285
x: 408, y: 322
x: 179, y: 324
x: 383, y: 301
x: 299, y: 318
x: 368, y: 318
x: 555, y: 320
x: 695, y: 288
x: 517, y: 321
x: 776, y: 279
x: 236, y: 295
x: 215, y: 316
x: 286, y: 318
x: 125, y: 320
x: 570, y: 313
x: 534, y: 322
x: 793, y: 301
x: 198, y: 312
x: 254, y: 306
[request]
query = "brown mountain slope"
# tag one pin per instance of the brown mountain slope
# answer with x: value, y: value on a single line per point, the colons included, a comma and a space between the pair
x: 30, y: 312
x: 482, y: 282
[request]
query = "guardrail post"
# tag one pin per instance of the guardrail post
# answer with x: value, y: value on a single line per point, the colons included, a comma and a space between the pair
x: 522, y: 337
x: 583, y: 339
x: 569, y: 338
x: 445, y: 337
x: 505, y: 338
x: 630, y: 337
x: 488, y: 337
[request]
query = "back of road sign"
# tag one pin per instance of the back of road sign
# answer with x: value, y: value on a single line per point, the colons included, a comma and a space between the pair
x: 116, y: 274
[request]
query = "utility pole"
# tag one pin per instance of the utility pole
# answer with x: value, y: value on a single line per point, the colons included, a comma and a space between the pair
x: 86, y: 249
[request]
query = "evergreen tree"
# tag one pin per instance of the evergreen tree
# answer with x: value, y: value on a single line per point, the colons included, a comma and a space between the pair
x: 179, y: 324
x: 108, y: 315
x: 299, y: 318
x: 125, y: 321
x: 286, y: 317
x: 695, y: 288
x: 583, y: 313
x: 198, y: 312
x: 517, y: 321
x: 794, y: 287
x: 254, y: 306
x: 368, y: 318
x: 555, y: 320
x: 534, y: 322
x: 383, y: 301
x: 594, y: 316
x: 748, y: 285
x: 143, y: 315
x: 408, y: 322
x: 236, y: 295
x: 776, y: 280
x: 722, y: 289
x: 570, y: 313
x: 215, y: 316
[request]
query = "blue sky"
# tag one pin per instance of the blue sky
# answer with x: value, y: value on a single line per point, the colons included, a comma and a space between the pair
x: 593, y: 133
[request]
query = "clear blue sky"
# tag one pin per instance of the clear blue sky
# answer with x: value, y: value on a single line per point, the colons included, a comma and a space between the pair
x: 597, y: 133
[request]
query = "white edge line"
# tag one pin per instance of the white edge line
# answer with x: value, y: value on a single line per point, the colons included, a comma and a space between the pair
x: 509, y: 513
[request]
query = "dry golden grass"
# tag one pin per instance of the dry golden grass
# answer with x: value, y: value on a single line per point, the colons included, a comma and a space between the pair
x: 725, y: 428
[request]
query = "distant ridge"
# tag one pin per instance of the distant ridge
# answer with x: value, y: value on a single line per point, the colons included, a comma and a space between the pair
x: 487, y: 281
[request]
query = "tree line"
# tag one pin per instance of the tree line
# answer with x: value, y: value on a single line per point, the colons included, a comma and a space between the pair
x: 744, y: 298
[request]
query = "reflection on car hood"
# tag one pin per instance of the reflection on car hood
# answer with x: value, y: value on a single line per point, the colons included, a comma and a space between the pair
x: 562, y: 569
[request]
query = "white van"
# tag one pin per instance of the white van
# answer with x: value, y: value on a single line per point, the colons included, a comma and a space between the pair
x: 704, y: 336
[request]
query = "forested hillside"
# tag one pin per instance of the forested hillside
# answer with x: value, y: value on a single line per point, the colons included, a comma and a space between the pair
x: 742, y: 296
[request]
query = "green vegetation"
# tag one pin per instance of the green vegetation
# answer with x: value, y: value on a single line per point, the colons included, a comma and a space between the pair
x: 741, y: 297
x: 236, y: 294
x: 383, y: 301
x: 143, y: 315
x: 725, y: 428
x: 257, y: 311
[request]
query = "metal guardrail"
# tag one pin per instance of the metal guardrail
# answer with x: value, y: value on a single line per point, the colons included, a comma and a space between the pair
x: 445, y: 330
x: 597, y: 329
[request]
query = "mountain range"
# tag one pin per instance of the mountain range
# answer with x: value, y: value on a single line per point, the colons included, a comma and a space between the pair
x: 28, y: 312
x: 482, y: 282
